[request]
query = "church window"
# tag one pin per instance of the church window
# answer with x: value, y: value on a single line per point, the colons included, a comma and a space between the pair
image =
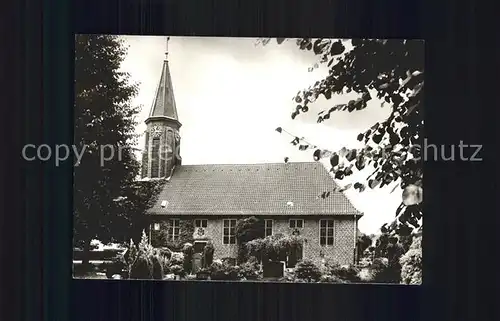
x: 296, y: 223
x: 229, y: 231
x: 201, y: 223
x: 174, y: 230
x: 155, y: 158
x: 268, y: 227
x: 326, y: 232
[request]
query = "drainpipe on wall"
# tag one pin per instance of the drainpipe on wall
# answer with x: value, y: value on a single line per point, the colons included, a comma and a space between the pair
x: 355, y: 237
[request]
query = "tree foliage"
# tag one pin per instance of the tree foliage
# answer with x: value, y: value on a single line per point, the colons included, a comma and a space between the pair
x: 411, y: 263
x: 103, y: 116
x: 275, y: 247
x: 162, y: 238
x: 363, y: 242
x: 248, y: 229
x: 392, y: 71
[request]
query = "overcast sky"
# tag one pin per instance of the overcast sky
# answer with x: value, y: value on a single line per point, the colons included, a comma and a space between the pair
x: 231, y: 95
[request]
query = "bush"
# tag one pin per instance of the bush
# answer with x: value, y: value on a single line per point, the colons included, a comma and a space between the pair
x: 229, y: 260
x: 224, y: 271
x: 381, y: 271
x: 177, y: 258
x: 165, y: 252
x: 345, y: 273
x: 288, y: 276
x: 411, y: 262
x: 142, y: 268
x: 308, y: 271
x: 158, y: 267
x: 366, y: 275
x: 177, y: 270
x: 191, y: 277
x: 250, y: 270
x: 328, y: 278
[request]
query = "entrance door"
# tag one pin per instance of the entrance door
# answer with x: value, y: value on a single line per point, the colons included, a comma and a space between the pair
x: 198, y: 248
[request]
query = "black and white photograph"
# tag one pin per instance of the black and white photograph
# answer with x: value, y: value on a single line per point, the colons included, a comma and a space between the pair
x: 228, y: 159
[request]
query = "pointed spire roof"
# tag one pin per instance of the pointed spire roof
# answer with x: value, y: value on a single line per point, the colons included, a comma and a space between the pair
x: 164, y: 102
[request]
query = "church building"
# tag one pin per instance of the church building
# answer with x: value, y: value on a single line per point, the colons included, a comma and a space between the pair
x: 214, y: 197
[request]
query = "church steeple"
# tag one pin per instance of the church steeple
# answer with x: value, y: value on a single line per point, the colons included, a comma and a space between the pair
x: 162, y: 145
x: 164, y: 102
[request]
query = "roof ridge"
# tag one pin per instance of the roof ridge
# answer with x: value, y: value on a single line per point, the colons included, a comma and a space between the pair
x: 253, y: 164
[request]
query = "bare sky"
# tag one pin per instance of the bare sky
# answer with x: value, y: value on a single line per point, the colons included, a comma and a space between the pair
x: 231, y: 95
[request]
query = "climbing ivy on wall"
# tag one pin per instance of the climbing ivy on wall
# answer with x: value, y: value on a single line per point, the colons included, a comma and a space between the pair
x: 161, y: 238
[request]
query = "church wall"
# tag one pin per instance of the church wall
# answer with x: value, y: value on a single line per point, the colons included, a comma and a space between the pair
x: 342, y: 250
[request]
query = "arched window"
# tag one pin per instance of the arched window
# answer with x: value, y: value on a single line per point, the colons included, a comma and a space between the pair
x: 170, y: 148
x: 155, y: 157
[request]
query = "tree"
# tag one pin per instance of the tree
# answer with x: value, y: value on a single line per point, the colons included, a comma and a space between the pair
x: 103, y: 116
x: 136, y: 198
x: 393, y: 71
x: 247, y: 229
x: 363, y: 242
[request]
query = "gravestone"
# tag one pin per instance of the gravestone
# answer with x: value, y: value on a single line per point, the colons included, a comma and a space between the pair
x: 273, y: 269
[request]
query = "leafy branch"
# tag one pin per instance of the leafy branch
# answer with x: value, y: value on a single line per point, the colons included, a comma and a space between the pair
x: 393, y: 71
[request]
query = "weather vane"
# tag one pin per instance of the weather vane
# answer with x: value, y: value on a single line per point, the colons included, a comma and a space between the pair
x: 166, y: 47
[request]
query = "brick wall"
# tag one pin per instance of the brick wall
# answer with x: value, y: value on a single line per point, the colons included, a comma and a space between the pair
x: 214, y: 232
x: 342, y: 250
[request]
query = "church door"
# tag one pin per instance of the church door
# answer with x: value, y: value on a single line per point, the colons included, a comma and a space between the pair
x: 198, y: 248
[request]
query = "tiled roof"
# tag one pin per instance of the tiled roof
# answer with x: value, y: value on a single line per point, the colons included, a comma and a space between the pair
x: 164, y: 102
x: 258, y: 189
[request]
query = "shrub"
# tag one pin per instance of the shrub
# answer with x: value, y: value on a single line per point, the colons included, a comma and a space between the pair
x: 345, y: 273
x: 177, y: 258
x: 328, y: 278
x: 381, y: 271
x: 250, y: 270
x: 366, y: 275
x: 165, y: 252
x: 308, y: 271
x: 142, y: 268
x: 229, y: 260
x: 144, y: 261
x: 158, y: 267
x: 190, y: 277
x: 203, y: 274
x: 411, y: 263
x: 177, y: 269
x: 224, y: 271
x: 288, y: 276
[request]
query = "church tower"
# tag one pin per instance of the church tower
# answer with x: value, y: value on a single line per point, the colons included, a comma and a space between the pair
x: 162, y: 145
